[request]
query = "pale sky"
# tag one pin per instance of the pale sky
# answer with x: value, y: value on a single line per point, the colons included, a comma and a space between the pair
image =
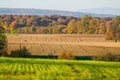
x: 68, y: 5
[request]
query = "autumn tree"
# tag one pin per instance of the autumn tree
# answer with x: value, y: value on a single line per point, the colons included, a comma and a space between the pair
x: 102, y: 28
x: 109, y: 31
x: 93, y: 26
x: 79, y: 30
x: 117, y: 27
x: 85, y: 23
x: 71, y: 27
x: 57, y: 29
x: 12, y: 27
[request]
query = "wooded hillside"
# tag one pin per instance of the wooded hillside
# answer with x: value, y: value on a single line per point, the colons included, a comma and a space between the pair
x: 56, y: 24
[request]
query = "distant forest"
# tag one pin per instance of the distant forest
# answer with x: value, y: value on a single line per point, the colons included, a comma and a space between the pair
x: 56, y: 24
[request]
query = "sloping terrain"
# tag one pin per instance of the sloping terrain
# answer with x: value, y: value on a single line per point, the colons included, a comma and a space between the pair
x: 41, y: 12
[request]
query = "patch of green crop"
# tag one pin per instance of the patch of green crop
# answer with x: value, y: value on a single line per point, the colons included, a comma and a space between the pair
x: 11, y: 34
x: 46, y: 69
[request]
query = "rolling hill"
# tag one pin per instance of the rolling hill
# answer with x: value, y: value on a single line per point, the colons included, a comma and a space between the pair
x: 104, y: 10
x: 41, y: 12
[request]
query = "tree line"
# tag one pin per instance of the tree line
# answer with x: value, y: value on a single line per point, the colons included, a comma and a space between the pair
x: 56, y: 24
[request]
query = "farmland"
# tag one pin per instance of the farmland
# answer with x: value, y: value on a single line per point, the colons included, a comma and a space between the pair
x: 78, y: 44
x: 45, y: 69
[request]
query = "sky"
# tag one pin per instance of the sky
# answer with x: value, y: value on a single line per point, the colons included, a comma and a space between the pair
x: 67, y: 5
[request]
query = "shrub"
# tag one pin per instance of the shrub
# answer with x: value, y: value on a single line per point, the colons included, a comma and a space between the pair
x: 3, y: 43
x: 66, y: 55
x: 107, y: 57
x: 118, y: 36
x: 109, y: 36
x: 20, y: 53
x: 50, y: 55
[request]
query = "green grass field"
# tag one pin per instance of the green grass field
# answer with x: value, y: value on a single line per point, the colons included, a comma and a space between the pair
x: 46, y: 69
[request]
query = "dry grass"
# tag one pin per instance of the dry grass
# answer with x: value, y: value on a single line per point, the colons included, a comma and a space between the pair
x: 79, y: 44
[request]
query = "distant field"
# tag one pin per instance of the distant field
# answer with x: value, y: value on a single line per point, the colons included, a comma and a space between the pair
x: 78, y: 44
x: 45, y: 69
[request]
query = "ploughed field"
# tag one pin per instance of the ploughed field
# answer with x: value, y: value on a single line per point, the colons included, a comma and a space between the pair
x: 78, y: 44
x: 46, y: 69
